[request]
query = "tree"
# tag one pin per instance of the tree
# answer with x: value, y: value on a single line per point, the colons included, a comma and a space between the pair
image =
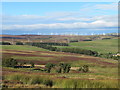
x: 49, y: 66
x: 58, y: 69
x: 65, y: 67
x: 84, y: 68
x: 32, y: 64
x: 68, y: 68
x: 19, y: 43
x: 48, y: 83
x: 5, y: 43
x: 22, y: 64
x: 9, y: 62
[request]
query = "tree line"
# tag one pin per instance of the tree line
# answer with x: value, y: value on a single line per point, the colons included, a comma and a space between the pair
x: 71, y: 50
x: 45, y: 46
x: 59, y: 68
x: 5, y: 43
x: 78, y: 51
x: 50, y: 47
x: 47, y: 43
x: 64, y: 68
x: 8, y: 43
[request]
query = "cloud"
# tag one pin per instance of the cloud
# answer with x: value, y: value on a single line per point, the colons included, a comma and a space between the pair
x: 112, y: 6
x: 86, y: 13
x: 112, y: 18
x: 35, y: 19
x: 99, y: 9
x: 75, y: 25
x: 73, y: 19
x: 22, y: 19
x: 83, y: 18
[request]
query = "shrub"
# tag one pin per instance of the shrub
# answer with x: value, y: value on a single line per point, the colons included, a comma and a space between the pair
x: 36, y: 80
x: 25, y: 79
x: 49, y: 66
x: 5, y: 43
x: 21, y: 64
x: 4, y: 86
x: 9, y: 62
x: 19, y: 43
x: 58, y: 69
x: 48, y: 83
x: 65, y: 67
x: 84, y: 68
x: 73, y: 40
x: 32, y: 64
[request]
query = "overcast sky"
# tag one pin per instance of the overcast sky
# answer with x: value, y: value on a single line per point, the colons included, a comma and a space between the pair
x: 59, y: 17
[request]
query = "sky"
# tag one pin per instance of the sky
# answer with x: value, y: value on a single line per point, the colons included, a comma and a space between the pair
x: 59, y: 17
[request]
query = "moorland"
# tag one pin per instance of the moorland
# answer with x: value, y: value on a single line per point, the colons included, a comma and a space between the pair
x: 44, y: 61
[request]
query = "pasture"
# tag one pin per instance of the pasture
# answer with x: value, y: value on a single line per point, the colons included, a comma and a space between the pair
x: 101, y: 46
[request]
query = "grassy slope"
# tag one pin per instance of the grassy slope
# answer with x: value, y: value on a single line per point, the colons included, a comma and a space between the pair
x: 101, y: 46
x: 21, y: 47
x: 54, y: 56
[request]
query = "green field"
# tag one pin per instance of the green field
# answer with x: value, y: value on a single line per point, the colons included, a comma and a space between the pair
x: 101, y: 46
x: 22, y: 47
